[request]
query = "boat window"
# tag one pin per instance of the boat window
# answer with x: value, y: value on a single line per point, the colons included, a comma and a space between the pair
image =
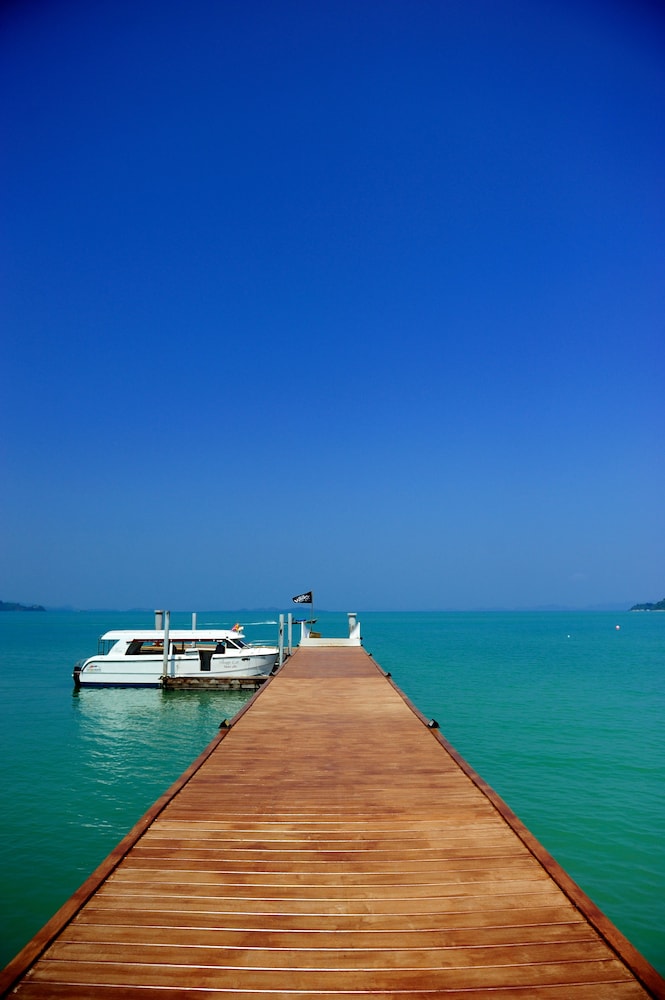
x: 143, y: 647
x: 235, y: 643
x: 104, y: 646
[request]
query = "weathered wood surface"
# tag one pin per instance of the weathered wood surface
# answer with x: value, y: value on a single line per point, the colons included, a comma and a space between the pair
x: 330, y: 844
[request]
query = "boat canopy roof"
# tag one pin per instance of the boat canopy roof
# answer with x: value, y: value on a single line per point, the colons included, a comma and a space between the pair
x: 175, y: 634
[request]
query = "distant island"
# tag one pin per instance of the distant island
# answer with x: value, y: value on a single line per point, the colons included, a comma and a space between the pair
x: 658, y: 606
x: 12, y: 606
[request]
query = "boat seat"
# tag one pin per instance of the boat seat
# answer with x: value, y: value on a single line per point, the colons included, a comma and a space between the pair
x: 205, y: 656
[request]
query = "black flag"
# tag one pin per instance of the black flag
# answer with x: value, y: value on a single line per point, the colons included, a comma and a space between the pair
x: 303, y: 598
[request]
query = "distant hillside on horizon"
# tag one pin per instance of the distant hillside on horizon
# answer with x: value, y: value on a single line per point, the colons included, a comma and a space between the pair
x: 13, y: 606
x: 658, y: 606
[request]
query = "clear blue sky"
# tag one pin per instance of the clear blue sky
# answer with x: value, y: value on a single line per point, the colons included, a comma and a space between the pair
x: 364, y: 297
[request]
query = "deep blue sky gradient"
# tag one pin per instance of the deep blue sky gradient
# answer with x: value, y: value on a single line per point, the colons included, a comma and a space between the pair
x: 360, y: 297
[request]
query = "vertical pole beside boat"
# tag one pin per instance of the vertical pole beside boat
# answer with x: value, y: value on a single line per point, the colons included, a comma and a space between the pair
x: 281, y: 640
x: 165, y: 661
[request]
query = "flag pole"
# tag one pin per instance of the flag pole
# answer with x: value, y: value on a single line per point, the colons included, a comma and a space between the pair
x: 306, y: 598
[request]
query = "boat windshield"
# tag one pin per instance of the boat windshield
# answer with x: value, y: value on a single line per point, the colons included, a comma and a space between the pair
x: 104, y: 646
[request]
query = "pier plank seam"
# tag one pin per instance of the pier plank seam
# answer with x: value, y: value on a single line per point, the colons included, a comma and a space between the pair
x: 489, y: 912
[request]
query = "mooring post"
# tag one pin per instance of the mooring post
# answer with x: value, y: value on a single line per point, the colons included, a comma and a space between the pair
x: 289, y: 646
x: 281, y: 640
x: 167, y: 623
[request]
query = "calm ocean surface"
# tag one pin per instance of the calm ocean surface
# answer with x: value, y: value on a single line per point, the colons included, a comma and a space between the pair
x: 562, y: 713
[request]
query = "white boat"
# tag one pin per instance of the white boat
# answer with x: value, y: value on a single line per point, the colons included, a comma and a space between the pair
x: 136, y: 658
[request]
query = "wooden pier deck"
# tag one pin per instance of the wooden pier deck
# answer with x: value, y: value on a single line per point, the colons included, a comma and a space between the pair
x: 329, y: 844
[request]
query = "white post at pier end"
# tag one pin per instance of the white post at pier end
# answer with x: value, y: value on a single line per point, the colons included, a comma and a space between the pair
x: 354, y: 625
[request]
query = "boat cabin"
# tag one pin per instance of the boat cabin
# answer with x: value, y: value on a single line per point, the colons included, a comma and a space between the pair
x: 180, y: 642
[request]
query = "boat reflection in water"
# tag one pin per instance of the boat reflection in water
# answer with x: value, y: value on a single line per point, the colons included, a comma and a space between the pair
x: 135, y: 736
x: 131, y: 745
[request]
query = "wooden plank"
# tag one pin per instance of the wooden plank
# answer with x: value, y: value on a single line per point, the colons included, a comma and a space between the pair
x: 417, y: 871
x: 569, y: 991
x: 360, y: 978
x: 212, y: 875
x: 262, y: 937
x: 229, y: 957
x: 320, y: 906
x: 322, y: 895
x: 439, y: 921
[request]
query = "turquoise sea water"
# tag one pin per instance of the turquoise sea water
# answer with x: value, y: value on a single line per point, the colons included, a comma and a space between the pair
x: 562, y: 713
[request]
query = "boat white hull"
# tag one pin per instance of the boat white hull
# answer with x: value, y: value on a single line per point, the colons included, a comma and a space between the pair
x: 147, y: 671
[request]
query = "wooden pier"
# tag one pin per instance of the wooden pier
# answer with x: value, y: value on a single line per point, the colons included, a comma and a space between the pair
x: 208, y: 683
x: 330, y: 844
